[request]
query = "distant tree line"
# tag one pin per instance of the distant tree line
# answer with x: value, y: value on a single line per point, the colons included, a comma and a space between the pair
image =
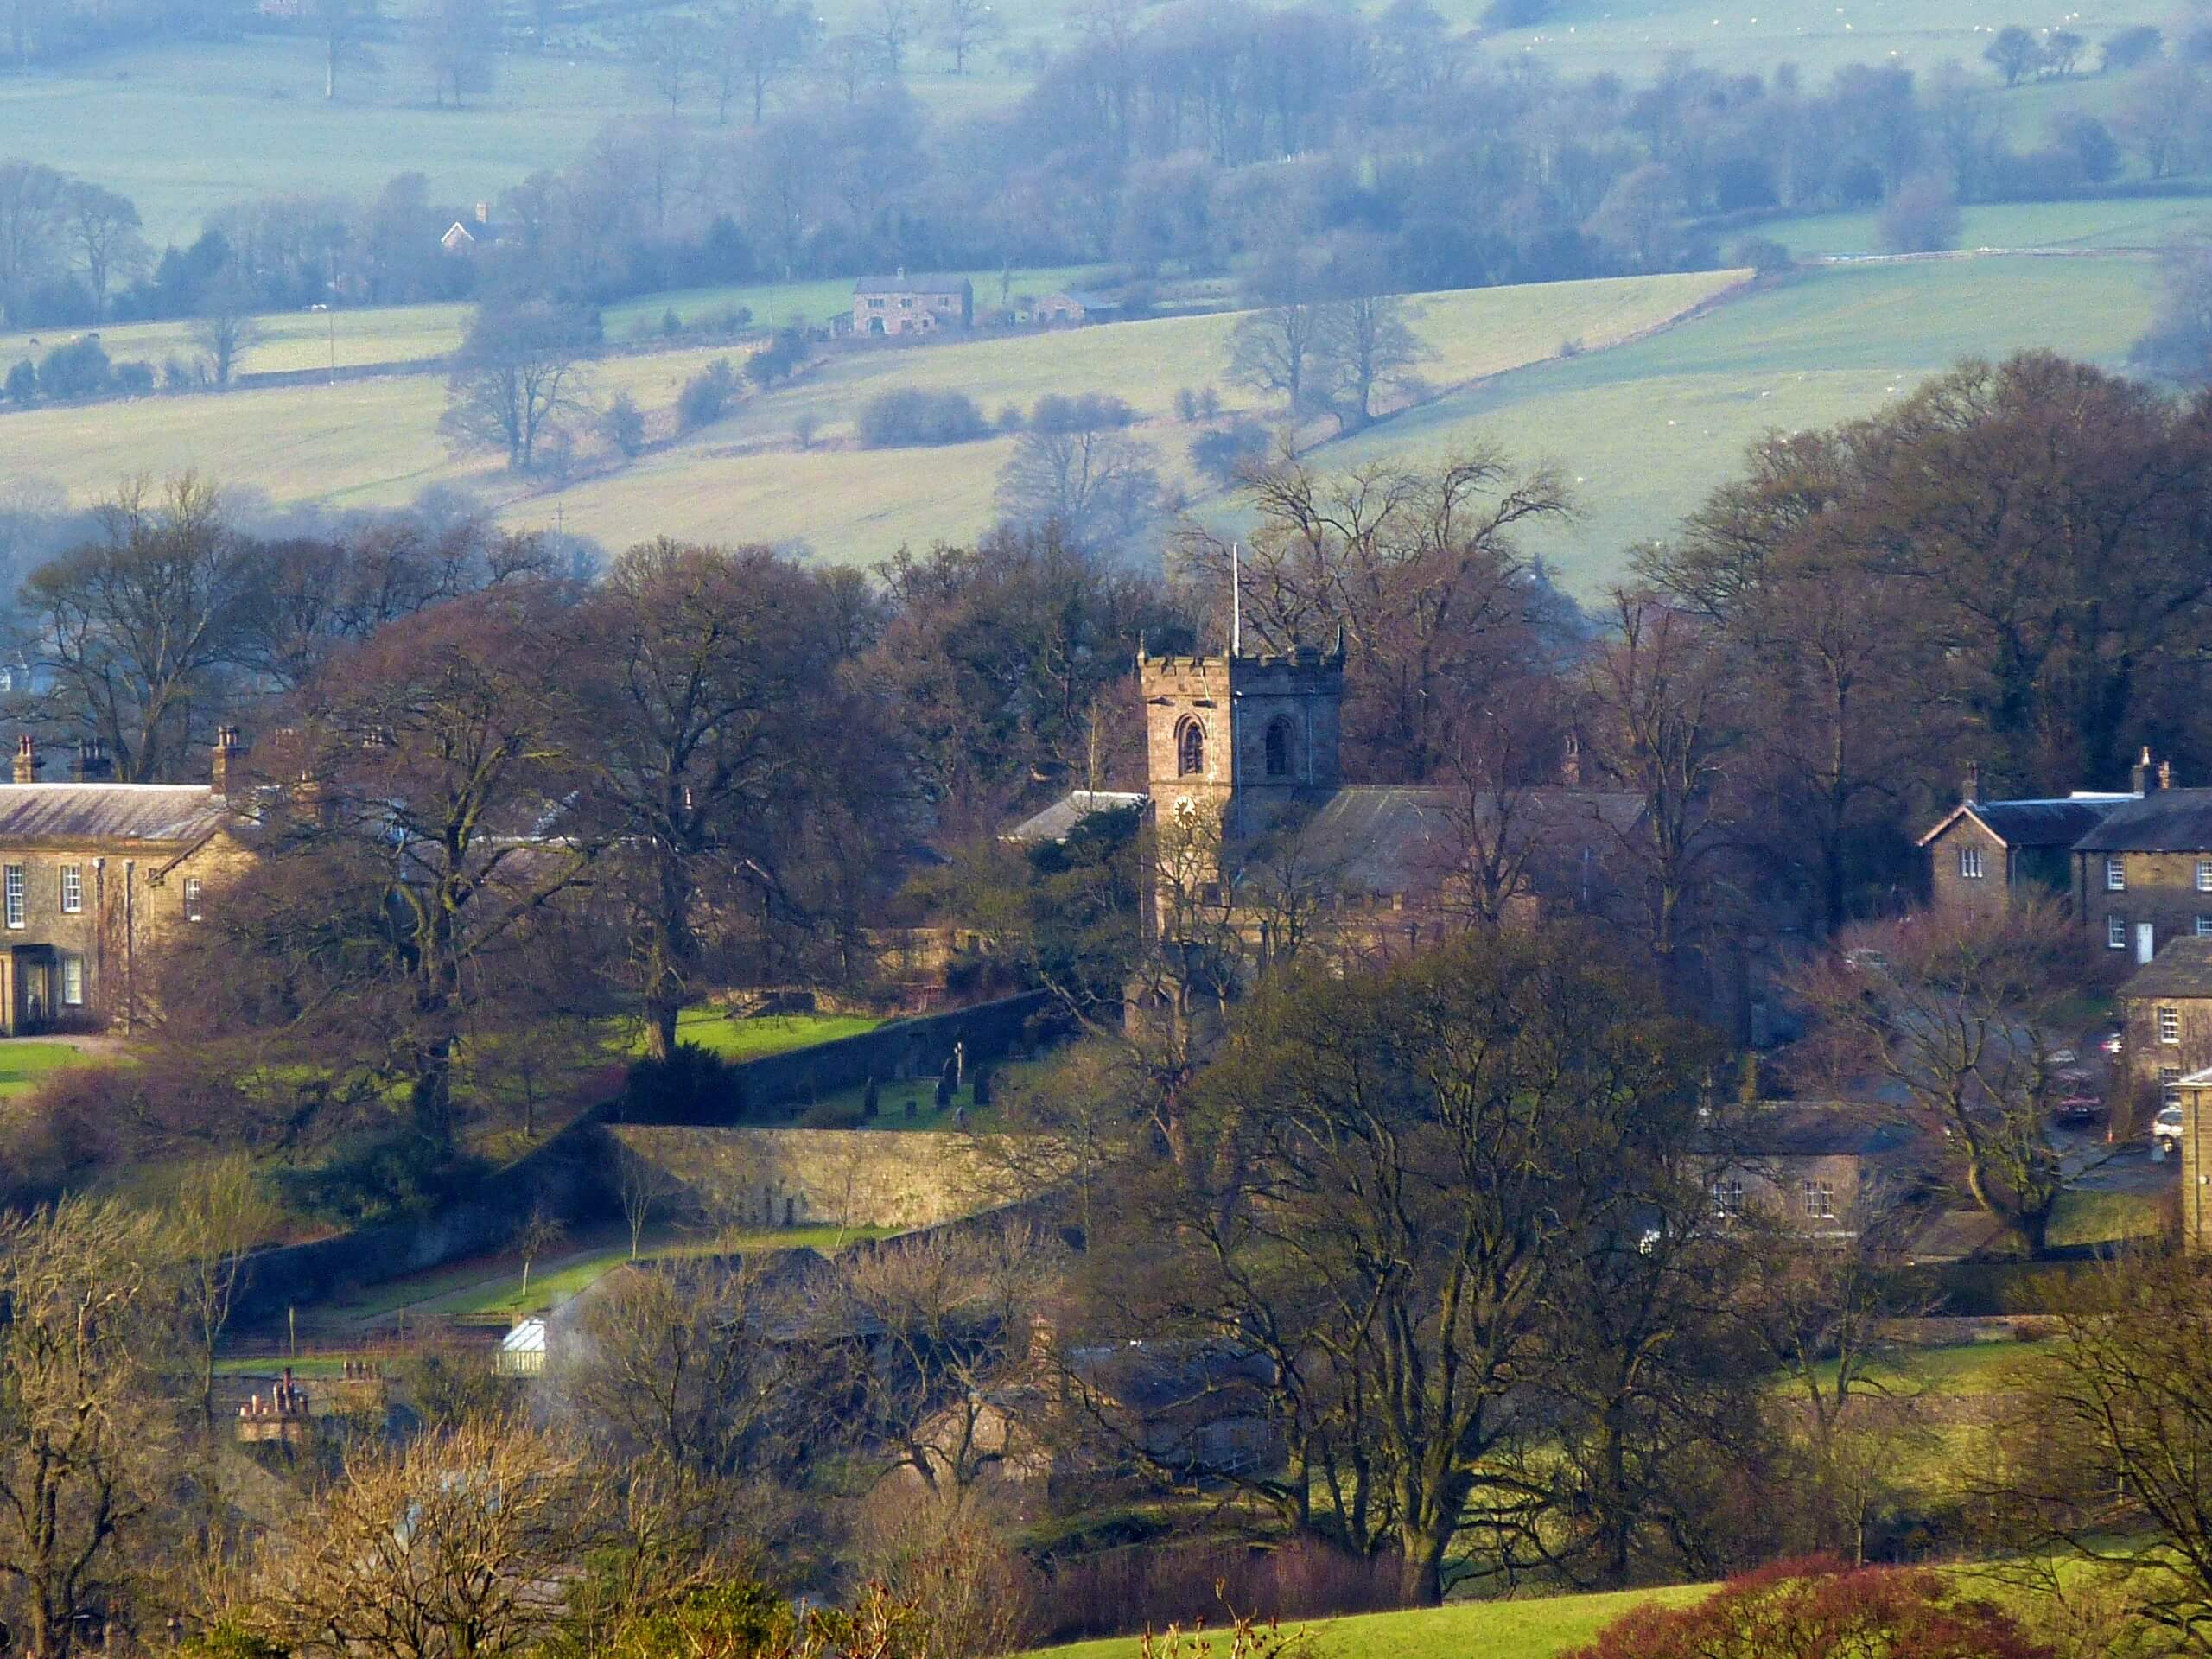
x: 1149, y: 143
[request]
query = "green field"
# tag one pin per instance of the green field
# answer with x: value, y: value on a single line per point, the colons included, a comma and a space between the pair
x: 776, y: 1033
x: 1646, y: 430
x: 1632, y: 38
x: 1535, y: 1629
x: 2109, y: 222
x: 22, y: 1064
x: 375, y: 442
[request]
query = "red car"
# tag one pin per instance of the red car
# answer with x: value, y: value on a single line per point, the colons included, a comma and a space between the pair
x: 2080, y: 1109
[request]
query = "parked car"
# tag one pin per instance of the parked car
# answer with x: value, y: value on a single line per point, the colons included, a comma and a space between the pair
x: 2165, y: 1131
x: 2062, y: 1057
x: 2080, y: 1109
x: 2113, y: 1044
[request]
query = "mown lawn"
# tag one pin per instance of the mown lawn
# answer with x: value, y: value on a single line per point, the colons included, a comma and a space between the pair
x: 775, y: 1033
x: 22, y: 1064
x: 1535, y: 1629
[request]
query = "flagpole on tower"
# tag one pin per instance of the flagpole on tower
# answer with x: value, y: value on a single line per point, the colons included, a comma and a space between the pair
x: 1235, y: 602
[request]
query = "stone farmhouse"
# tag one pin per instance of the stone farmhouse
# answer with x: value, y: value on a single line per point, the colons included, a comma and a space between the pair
x: 2136, y: 865
x: 1245, y: 778
x: 1829, y: 1169
x: 96, y: 874
x: 887, y: 306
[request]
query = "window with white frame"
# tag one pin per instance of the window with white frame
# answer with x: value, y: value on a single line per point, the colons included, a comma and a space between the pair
x: 2169, y: 1025
x: 191, y: 909
x: 2116, y: 932
x: 2169, y: 1085
x: 2204, y: 875
x: 2204, y: 927
x: 1818, y: 1197
x: 72, y: 981
x: 1970, y: 864
x: 2115, y: 873
x: 1728, y: 1196
x: 73, y: 889
x: 11, y: 884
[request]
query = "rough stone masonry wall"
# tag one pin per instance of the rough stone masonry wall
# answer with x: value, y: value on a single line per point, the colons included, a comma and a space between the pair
x: 842, y: 1177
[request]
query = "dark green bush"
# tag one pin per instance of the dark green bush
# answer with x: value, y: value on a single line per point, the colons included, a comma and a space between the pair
x: 692, y: 1084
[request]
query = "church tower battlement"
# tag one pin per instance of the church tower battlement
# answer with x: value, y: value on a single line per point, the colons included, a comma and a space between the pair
x: 1240, y: 737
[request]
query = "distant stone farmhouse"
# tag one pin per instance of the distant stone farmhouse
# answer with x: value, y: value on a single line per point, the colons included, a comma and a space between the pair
x: 912, y: 305
x: 95, y: 875
x: 1075, y: 305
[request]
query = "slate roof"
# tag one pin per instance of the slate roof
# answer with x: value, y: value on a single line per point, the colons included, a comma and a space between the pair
x: 1388, y: 838
x: 1395, y: 838
x: 1819, y: 1129
x: 905, y: 284
x: 1056, y: 821
x: 120, y: 812
x: 2053, y: 822
x: 2165, y: 821
x: 2182, y: 968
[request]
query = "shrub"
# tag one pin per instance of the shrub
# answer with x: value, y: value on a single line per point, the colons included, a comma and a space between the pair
x: 692, y: 1084
x: 806, y: 427
x: 623, y: 424
x: 77, y: 370
x: 1011, y: 417
x: 706, y: 396
x: 908, y: 416
x: 134, y: 380
x: 780, y: 359
x: 1219, y: 452
x: 1187, y: 403
x: 670, y: 324
x: 23, y: 382
x: 1923, y: 216
x: 1088, y: 411
x: 1814, y: 1609
x: 177, y: 375
x: 378, y: 1177
x: 1761, y: 254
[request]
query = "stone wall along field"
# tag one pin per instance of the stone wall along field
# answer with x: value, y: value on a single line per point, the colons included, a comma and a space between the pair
x: 837, y: 1178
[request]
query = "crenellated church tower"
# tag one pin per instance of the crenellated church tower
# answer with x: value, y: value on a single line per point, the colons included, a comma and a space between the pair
x: 1236, y: 739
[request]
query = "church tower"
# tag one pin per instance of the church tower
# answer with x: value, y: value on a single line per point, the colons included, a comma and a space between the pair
x: 1237, y: 739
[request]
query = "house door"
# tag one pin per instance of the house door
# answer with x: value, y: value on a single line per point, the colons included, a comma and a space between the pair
x: 2143, y: 942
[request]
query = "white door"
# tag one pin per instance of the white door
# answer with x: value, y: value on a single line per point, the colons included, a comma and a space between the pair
x: 2143, y: 946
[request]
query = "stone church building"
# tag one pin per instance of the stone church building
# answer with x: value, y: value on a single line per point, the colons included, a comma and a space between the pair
x: 1244, y: 771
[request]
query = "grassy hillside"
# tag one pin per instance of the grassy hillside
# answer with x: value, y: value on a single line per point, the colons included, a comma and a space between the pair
x: 2116, y: 222
x: 1474, y: 1630
x: 376, y: 441
x: 1645, y: 430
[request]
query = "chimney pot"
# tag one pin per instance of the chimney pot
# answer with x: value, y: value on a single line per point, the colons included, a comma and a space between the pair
x: 26, y: 759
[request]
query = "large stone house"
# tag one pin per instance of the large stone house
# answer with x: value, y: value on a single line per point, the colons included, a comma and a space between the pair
x: 1246, y: 792
x: 95, y: 875
x: 912, y: 305
x: 2166, y: 1011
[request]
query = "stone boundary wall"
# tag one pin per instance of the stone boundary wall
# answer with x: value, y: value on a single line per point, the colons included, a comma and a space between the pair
x: 837, y: 1178
x: 571, y: 1176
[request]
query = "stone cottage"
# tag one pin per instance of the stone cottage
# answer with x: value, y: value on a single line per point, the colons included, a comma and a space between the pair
x: 887, y: 306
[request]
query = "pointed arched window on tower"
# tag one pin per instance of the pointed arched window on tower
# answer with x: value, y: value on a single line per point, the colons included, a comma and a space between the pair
x: 1279, y: 747
x: 1190, y: 749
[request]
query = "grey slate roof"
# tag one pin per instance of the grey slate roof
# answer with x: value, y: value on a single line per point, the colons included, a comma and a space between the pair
x: 1054, y: 822
x: 1396, y: 838
x: 1819, y: 1129
x: 123, y: 812
x: 2182, y: 968
x: 2058, y: 823
x: 905, y: 284
x: 2165, y: 821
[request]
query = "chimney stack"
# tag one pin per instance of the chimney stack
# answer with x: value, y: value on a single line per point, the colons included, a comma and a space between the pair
x: 26, y: 758
x: 92, y: 765
x: 483, y: 213
x: 2142, y: 779
x: 228, y: 751
x: 2165, y: 774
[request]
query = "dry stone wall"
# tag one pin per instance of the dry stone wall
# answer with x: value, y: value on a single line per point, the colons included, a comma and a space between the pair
x: 841, y: 1178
